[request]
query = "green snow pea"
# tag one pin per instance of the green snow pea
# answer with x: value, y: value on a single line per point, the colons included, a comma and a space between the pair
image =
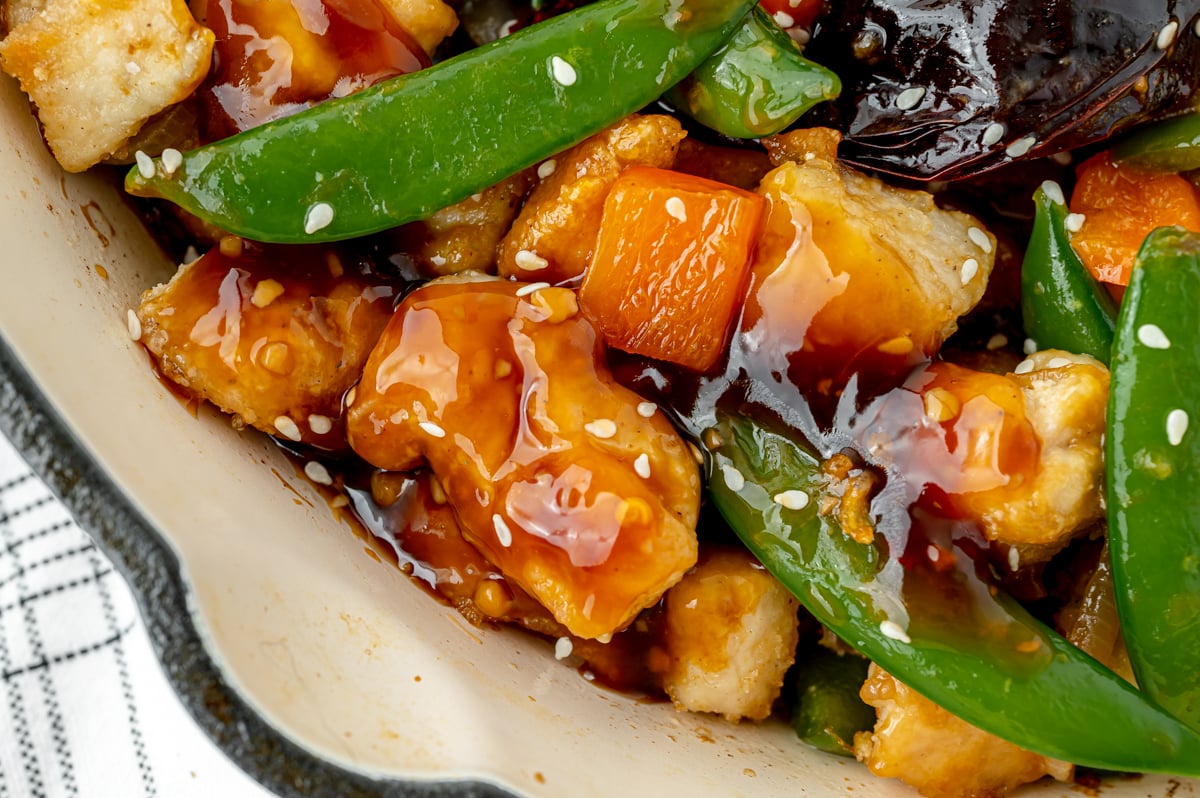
x: 1063, y: 305
x: 1153, y: 479
x: 410, y: 145
x: 1172, y: 145
x: 981, y: 657
x: 757, y: 84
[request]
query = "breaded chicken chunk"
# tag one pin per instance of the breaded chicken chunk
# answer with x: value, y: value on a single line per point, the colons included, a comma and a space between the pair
x: 98, y: 69
x: 731, y: 634
x: 272, y: 337
x: 427, y: 21
x: 577, y: 490
x: 554, y: 236
x: 938, y: 753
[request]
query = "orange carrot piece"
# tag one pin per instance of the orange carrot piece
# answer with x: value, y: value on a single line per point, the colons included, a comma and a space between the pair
x: 670, y: 266
x: 1121, y: 205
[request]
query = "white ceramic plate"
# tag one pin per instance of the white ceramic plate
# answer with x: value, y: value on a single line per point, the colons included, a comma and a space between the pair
x: 318, y: 669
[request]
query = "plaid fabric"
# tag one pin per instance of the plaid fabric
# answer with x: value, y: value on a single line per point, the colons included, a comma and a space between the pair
x: 85, y: 709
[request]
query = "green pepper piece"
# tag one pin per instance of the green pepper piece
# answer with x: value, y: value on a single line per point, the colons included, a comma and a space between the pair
x: 1153, y: 481
x: 757, y: 84
x: 1172, y: 145
x: 982, y: 658
x: 1063, y: 305
x: 828, y: 710
x: 415, y: 143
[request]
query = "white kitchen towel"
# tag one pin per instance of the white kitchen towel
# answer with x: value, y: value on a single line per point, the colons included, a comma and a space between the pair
x: 85, y: 709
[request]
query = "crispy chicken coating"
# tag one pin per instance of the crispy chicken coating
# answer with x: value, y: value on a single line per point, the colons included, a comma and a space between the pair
x: 427, y: 21
x: 731, y: 633
x: 274, y: 338
x: 577, y: 490
x: 98, y: 69
x: 936, y: 752
x: 554, y: 236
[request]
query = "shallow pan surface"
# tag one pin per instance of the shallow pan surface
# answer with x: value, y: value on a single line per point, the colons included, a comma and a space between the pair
x: 319, y: 669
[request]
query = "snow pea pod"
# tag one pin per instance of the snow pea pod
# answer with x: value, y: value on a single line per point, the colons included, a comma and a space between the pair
x: 1153, y: 482
x: 1063, y: 306
x: 981, y: 657
x: 756, y: 84
x: 1172, y: 145
x: 408, y: 146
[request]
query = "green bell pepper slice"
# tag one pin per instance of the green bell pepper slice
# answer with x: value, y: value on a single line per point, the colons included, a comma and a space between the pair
x: 758, y: 83
x: 410, y: 145
x: 1063, y: 305
x: 1153, y: 482
x: 1172, y: 145
x: 828, y: 711
x: 980, y: 656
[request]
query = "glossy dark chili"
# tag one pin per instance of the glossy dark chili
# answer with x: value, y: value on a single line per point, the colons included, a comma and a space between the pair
x: 951, y: 88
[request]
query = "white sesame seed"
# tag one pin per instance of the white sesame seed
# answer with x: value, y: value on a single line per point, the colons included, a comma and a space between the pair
x: 993, y: 133
x: 1054, y: 192
x: 145, y: 164
x: 134, y: 324
x: 287, y: 428
x: 546, y: 168
x: 997, y: 341
x: 677, y: 209
x: 317, y: 473
x: 646, y: 409
x: 432, y: 429
x: 895, y: 631
x: 601, y: 428
x: 1057, y: 363
x: 506, y: 28
x: 564, y: 74
x: 1166, y: 36
x: 530, y: 288
x: 909, y: 98
x: 733, y: 477
x: 172, y: 159
x: 530, y: 261
x: 1177, y: 424
x: 970, y: 268
x: 641, y: 466
x: 1020, y: 147
x: 503, y: 533
x: 980, y: 239
x: 1014, y: 559
x: 1151, y: 335
x: 784, y: 20
x: 133, y: 68
x: 791, y: 499
x: 321, y: 425
x: 563, y: 648
x: 1024, y: 367
x: 1029, y: 346
x: 932, y: 553
x: 1196, y: 27
x: 1074, y: 222
x: 317, y: 217
x: 350, y: 394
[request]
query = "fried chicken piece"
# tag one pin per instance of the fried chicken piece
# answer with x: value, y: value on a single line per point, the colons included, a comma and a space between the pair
x: 744, y: 168
x: 274, y: 337
x: 938, y: 753
x: 731, y: 632
x: 554, y: 236
x: 98, y: 69
x: 854, y: 276
x: 466, y: 236
x: 427, y: 21
x: 578, y: 491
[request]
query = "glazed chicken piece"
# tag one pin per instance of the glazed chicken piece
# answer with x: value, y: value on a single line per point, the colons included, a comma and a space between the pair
x: 273, y: 337
x: 852, y: 275
x: 427, y: 21
x: 1020, y: 453
x: 936, y: 752
x: 731, y: 632
x: 577, y: 490
x: 98, y: 69
x: 466, y: 236
x: 554, y: 236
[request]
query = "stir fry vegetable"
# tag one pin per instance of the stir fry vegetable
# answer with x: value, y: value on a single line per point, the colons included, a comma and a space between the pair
x: 1153, y: 486
x: 453, y: 129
